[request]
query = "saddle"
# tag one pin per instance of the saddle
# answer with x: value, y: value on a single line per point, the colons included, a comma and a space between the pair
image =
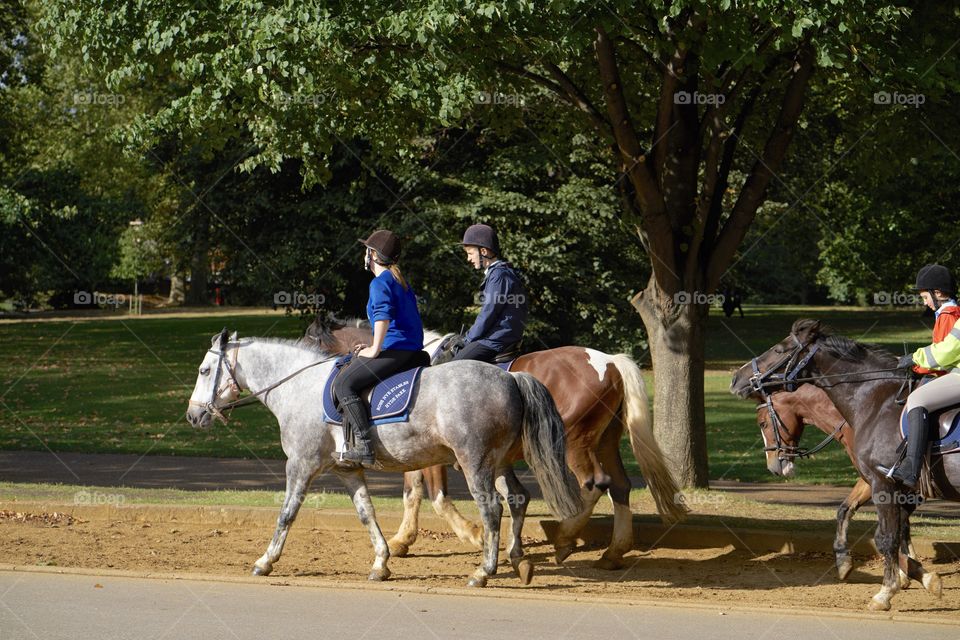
x: 508, y: 355
x: 944, y: 440
x: 389, y: 400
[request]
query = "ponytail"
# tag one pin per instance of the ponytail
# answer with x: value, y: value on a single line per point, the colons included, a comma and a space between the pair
x: 395, y: 271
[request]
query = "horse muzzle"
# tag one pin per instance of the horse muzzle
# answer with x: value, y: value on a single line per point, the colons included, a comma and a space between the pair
x: 199, y: 417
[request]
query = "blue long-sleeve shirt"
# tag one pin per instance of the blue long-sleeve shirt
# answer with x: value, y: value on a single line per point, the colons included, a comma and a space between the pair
x: 503, y: 312
x: 390, y: 301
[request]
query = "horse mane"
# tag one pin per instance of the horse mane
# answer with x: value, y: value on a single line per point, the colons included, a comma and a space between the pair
x: 313, y: 348
x: 841, y: 347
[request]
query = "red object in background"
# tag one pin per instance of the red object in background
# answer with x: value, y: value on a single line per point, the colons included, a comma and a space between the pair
x: 218, y: 298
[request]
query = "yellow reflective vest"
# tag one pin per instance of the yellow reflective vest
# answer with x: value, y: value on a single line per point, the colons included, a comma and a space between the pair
x: 943, y: 355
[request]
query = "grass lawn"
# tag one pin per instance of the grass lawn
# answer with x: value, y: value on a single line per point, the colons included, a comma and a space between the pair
x: 122, y: 385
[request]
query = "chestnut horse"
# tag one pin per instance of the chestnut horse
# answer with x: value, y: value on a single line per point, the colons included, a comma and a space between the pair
x: 597, y: 395
x: 781, y: 431
x: 863, y: 382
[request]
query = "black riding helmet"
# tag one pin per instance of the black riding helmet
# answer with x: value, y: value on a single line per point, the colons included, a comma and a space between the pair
x: 481, y: 235
x: 935, y: 276
x: 385, y: 244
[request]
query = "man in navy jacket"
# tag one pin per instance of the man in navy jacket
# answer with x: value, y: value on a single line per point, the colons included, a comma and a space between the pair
x: 503, y: 301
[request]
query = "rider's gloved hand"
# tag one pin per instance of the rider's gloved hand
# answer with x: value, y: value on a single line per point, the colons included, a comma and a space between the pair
x: 906, y: 362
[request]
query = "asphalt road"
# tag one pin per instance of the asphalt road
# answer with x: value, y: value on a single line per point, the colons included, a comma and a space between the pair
x: 50, y: 606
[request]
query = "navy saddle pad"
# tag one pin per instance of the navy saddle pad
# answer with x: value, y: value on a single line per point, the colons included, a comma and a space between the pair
x: 389, y: 400
x: 946, y: 431
x: 506, y: 365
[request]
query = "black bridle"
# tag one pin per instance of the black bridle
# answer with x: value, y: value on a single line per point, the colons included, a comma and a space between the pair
x: 759, y: 381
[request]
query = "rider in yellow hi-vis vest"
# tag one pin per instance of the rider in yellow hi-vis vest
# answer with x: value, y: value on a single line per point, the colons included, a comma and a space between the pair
x: 941, y: 357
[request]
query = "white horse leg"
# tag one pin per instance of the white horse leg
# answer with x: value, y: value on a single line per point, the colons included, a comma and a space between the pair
x: 517, y: 498
x: 406, y: 535
x: 356, y: 485
x: 466, y: 531
x: 298, y: 481
x: 566, y: 537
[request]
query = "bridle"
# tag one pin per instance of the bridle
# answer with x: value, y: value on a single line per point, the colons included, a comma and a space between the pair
x: 788, y: 380
x: 234, y: 385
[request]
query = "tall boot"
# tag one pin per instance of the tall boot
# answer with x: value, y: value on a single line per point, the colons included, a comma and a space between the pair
x: 355, y: 414
x: 918, y: 424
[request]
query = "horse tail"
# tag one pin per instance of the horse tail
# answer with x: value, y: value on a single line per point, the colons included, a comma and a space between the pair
x: 545, y: 449
x: 639, y: 423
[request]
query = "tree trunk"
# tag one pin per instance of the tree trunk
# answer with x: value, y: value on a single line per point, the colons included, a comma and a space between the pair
x: 675, y: 330
x: 197, y: 294
x: 177, y: 294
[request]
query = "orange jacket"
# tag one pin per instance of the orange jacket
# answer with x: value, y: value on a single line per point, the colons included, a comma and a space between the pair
x: 947, y: 316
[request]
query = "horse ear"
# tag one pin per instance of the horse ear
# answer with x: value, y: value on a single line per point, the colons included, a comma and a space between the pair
x: 233, y: 337
x: 809, y: 331
x: 223, y: 338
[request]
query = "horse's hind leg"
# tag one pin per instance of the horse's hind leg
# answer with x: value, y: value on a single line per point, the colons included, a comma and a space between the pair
x: 565, y: 540
x: 467, y: 531
x: 357, y: 488
x: 406, y: 535
x: 848, y: 508
x: 517, y: 498
x: 299, y: 474
x: 621, y: 541
x: 910, y: 567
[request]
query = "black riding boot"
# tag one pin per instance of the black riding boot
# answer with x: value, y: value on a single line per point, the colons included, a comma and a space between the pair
x: 918, y: 423
x: 355, y: 415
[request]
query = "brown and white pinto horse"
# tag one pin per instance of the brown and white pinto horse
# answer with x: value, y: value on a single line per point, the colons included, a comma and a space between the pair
x: 597, y: 395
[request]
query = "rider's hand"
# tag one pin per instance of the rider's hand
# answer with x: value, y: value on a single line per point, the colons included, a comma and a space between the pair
x: 906, y: 362
x: 368, y: 352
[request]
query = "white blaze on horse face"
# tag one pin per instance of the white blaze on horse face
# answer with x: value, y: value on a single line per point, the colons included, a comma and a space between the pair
x: 203, y: 389
x: 599, y: 362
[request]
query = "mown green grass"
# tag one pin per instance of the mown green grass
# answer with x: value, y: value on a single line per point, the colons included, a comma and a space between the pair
x: 121, y: 386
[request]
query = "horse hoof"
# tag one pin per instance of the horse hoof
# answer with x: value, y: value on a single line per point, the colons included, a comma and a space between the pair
x: 933, y: 585
x: 608, y: 564
x: 844, y: 567
x: 562, y: 553
x: 398, y: 549
x: 477, y: 581
x: 379, y: 575
x: 261, y: 571
x: 878, y: 605
x: 524, y: 569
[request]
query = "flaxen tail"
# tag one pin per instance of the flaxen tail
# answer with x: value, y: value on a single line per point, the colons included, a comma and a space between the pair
x: 639, y: 424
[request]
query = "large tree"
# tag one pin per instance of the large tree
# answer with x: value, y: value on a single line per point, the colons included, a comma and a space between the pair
x: 697, y: 102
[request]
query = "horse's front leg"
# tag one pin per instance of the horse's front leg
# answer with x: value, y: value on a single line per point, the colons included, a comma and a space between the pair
x: 299, y: 474
x: 406, y: 535
x: 887, y: 539
x: 356, y: 486
x: 848, y: 508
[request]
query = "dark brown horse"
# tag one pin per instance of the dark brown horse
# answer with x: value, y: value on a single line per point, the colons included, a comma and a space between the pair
x: 597, y: 395
x: 863, y: 383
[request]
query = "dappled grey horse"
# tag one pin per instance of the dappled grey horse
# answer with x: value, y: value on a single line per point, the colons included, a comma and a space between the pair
x: 467, y: 412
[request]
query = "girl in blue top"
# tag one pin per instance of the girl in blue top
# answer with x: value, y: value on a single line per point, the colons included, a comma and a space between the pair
x: 397, y: 344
